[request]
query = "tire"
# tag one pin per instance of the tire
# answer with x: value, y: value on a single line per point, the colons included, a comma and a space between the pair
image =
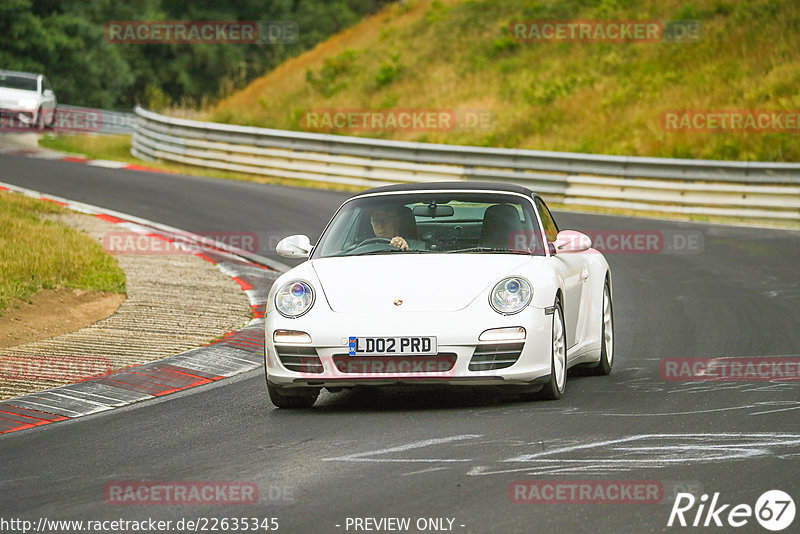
x: 603, y: 367
x: 52, y: 123
x: 555, y: 387
x: 39, y: 124
x: 298, y: 400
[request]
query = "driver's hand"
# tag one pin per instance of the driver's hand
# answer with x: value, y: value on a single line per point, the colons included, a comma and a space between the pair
x: 399, y: 242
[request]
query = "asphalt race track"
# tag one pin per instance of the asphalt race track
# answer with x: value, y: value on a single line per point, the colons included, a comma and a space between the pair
x: 443, y: 453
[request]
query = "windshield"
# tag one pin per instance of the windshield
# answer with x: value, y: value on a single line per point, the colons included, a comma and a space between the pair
x: 425, y: 222
x: 18, y: 82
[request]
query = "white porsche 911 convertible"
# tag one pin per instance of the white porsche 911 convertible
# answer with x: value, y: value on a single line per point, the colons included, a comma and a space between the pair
x: 461, y: 283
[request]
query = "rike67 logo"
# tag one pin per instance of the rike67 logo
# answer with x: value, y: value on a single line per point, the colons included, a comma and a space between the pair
x: 774, y: 510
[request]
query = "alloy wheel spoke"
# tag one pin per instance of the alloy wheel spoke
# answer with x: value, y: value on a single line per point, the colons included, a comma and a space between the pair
x: 608, y: 326
x: 559, y: 357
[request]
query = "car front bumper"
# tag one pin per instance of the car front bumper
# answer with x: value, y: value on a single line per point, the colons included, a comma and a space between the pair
x: 461, y: 360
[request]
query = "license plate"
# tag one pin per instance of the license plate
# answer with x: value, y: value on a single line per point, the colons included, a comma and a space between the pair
x: 391, y: 346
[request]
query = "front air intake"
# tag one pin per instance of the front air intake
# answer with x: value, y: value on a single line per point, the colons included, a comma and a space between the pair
x: 299, y: 359
x: 495, y: 356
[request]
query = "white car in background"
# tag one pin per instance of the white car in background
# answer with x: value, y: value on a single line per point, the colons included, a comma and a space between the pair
x: 27, y: 99
x: 460, y: 283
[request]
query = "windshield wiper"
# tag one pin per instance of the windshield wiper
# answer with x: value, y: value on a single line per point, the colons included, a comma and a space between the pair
x: 491, y: 250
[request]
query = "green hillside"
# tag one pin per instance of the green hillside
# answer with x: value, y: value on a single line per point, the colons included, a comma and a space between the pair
x: 585, y: 96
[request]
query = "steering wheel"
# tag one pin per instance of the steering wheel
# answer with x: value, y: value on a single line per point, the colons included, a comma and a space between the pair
x: 371, y: 240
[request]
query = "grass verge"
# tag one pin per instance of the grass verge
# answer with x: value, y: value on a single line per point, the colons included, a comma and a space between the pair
x: 39, y: 254
x: 581, y: 96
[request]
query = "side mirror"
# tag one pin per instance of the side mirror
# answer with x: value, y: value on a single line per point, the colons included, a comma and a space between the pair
x: 572, y: 241
x: 294, y: 246
x: 48, y: 93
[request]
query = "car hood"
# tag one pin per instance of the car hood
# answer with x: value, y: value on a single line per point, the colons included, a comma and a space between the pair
x: 423, y: 282
x: 10, y: 98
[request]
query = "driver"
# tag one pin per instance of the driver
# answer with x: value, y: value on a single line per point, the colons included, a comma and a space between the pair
x: 386, y: 223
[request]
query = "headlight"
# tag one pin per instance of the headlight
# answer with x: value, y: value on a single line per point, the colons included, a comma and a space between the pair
x: 27, y: 103
x: 294, y: 299
x: 511, y: 295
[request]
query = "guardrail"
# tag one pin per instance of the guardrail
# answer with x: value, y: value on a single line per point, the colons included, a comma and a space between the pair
x: 763, y: 190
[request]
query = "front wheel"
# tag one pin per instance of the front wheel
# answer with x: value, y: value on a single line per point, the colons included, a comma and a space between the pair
x: 298, y: 398
x: 39, y: 124
x: 603, y: 367
x: 554, y: 389
x: 50, y: 125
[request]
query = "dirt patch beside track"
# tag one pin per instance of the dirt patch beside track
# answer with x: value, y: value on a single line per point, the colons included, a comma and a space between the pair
x: 55, y: 311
